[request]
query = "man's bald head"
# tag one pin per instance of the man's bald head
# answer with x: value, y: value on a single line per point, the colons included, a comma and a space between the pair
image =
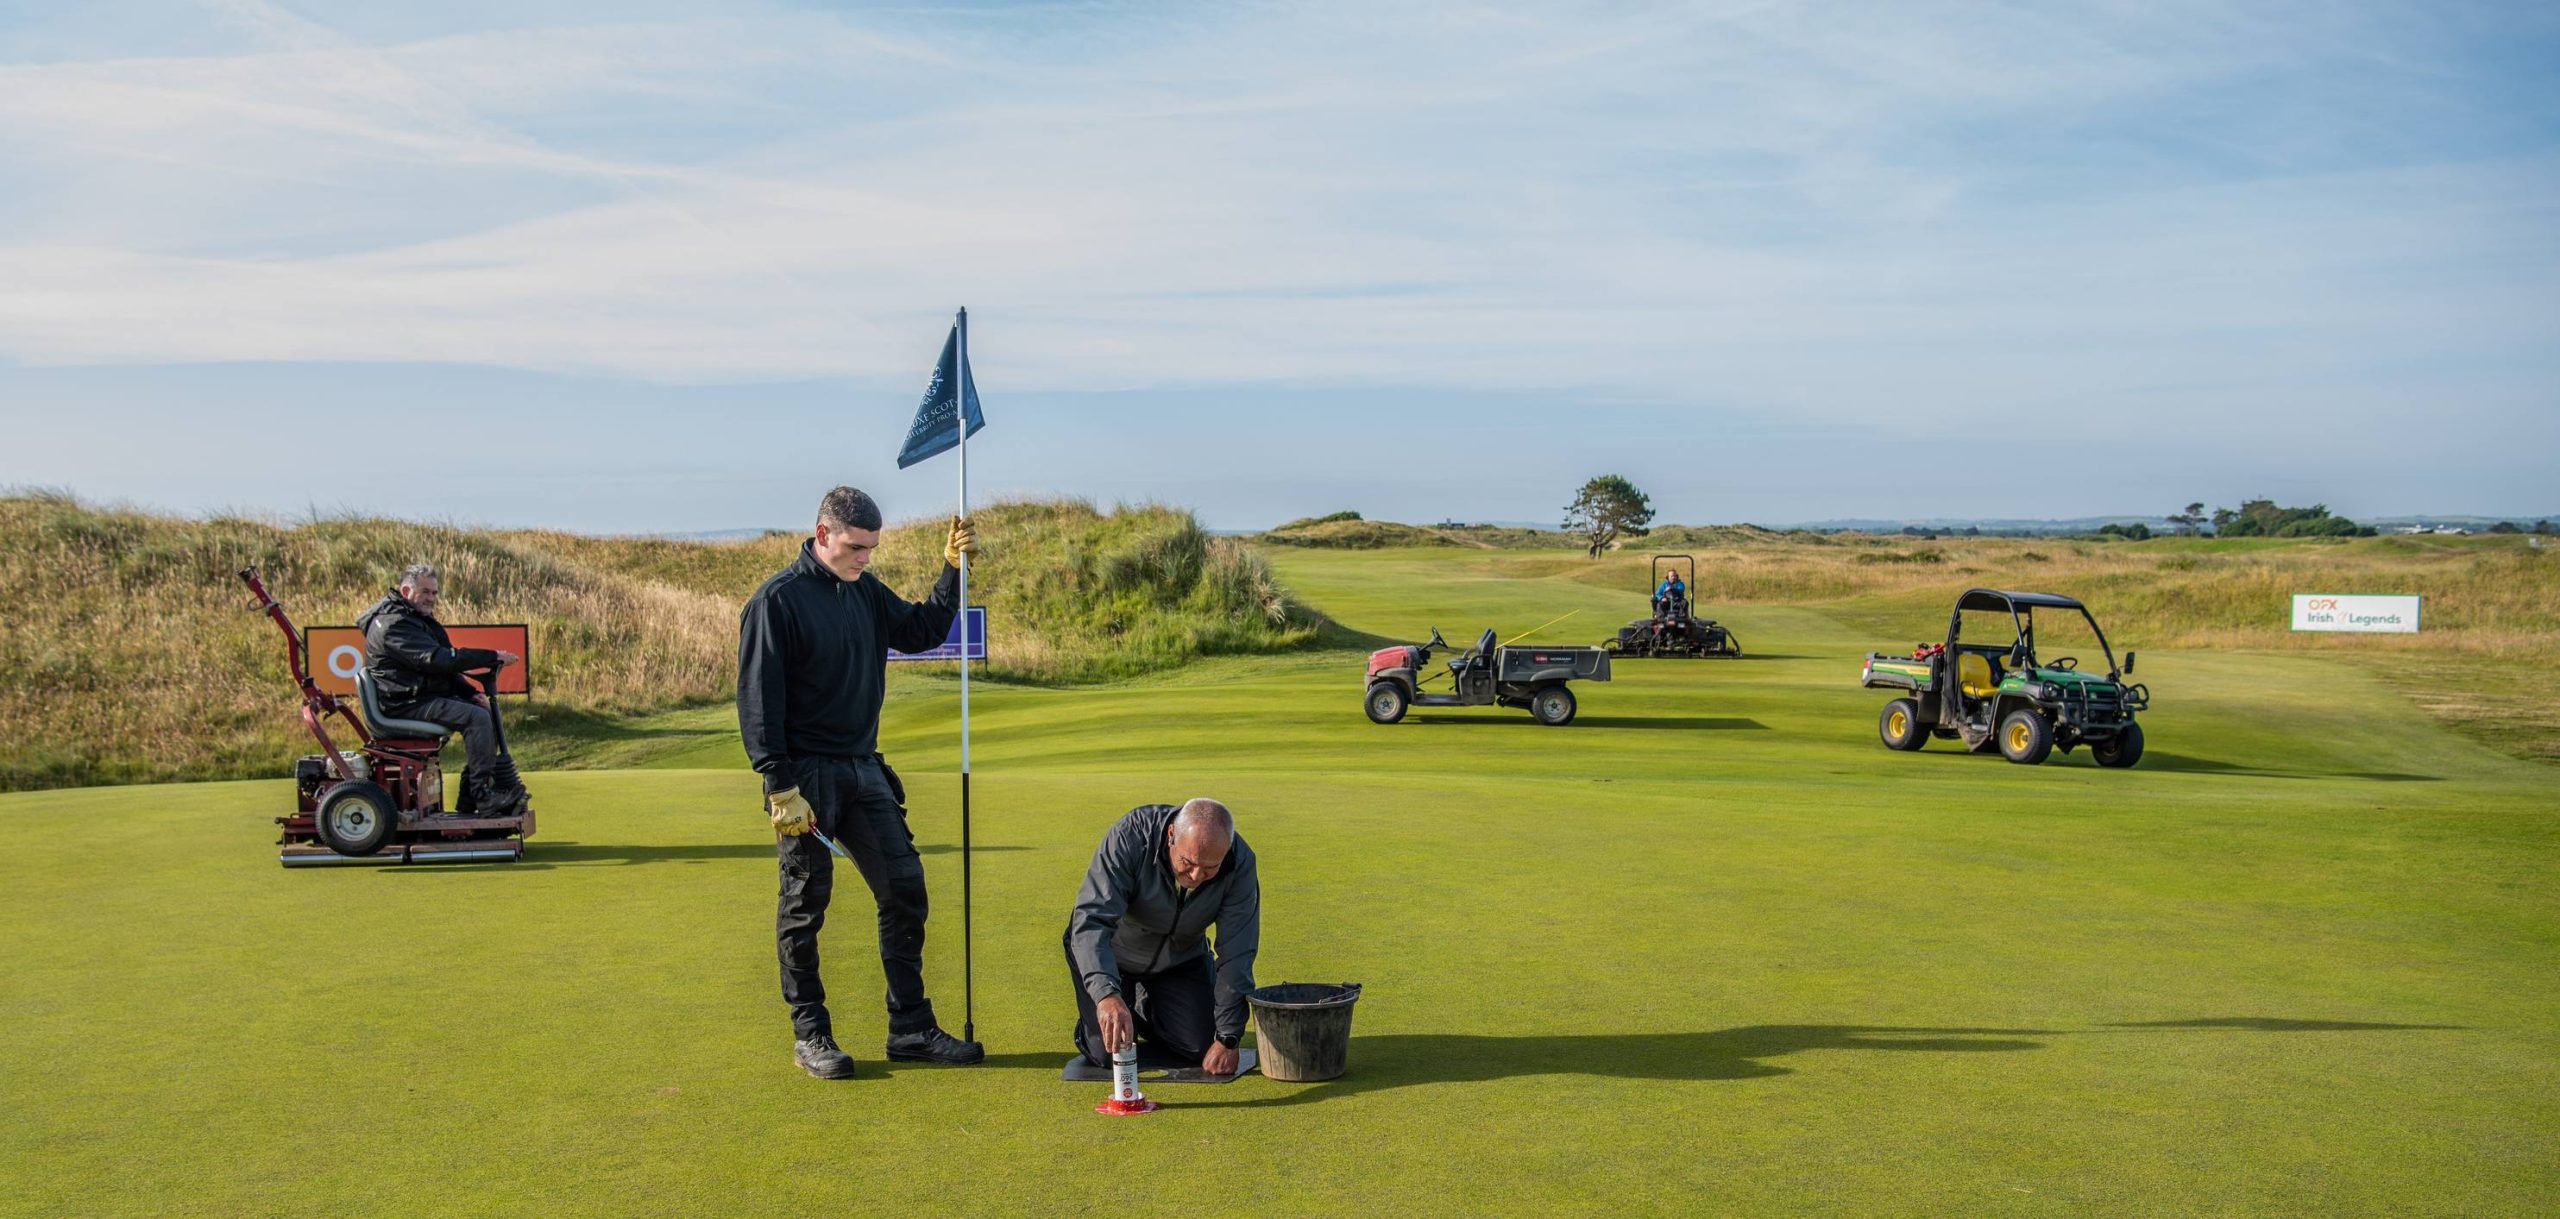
x: 1198, y: 839
x: 1202, y: 815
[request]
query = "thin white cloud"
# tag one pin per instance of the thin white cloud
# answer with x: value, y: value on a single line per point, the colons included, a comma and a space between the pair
x: 1802, y: 211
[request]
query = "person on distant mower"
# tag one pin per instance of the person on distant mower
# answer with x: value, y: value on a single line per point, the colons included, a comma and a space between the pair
x: 418, y: 674
x: 1669, y: 594
x: 1137, y: 938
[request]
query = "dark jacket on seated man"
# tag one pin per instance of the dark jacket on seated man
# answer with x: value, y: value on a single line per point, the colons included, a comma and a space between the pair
x: 1134, y: 932
x: 412, y: 659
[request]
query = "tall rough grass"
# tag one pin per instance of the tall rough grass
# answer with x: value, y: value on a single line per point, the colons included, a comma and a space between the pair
x: 129, y: 651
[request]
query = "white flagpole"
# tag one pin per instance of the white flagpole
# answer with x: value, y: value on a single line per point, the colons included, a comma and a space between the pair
x: 960, y: 411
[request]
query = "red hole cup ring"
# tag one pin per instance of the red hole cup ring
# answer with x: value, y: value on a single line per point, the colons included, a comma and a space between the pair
x: 1125, y: 1100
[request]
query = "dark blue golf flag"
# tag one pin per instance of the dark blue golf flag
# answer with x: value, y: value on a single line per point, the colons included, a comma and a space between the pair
x: 937, y: 424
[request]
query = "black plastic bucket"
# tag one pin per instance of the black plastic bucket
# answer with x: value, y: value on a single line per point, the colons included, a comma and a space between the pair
x: 1303, y: 1029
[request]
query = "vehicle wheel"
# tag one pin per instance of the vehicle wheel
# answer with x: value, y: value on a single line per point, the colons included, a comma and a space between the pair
x: 1386, y: 702
x: 2025, y: 738
x: 1900, y: 726
x: 1552, y: 706
x: 2122, y: 750
x: 355, y: 818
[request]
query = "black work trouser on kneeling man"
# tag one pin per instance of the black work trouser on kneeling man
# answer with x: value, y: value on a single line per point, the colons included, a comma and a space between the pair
x: 1174, y: 1011
x: 859, y: 806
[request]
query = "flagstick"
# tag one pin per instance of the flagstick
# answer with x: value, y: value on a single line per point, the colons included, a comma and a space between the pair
x: 968, y: 972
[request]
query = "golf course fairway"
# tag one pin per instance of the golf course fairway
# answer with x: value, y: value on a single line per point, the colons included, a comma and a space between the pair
x: 1709, y: 949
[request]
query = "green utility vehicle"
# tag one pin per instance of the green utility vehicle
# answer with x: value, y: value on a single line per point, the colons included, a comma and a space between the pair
x: 1987, y: 687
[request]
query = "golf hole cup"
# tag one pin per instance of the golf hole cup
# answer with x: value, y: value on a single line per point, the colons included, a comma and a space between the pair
x: 1125, y: 1097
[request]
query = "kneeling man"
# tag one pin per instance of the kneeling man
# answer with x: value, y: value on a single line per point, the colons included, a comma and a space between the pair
x: 1137, y: 941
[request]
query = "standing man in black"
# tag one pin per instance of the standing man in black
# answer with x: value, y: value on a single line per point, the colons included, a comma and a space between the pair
x: 812, y: 654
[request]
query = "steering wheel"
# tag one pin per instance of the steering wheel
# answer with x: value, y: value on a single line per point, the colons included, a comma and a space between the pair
x: 2064, y: 663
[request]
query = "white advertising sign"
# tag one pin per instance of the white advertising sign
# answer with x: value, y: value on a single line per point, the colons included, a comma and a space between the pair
x: 2343, y: 612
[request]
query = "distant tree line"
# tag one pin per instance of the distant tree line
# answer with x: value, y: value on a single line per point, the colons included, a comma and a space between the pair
x: 2262, y: 518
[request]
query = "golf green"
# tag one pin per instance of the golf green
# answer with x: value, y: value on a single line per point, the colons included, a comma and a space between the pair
x: 1709, y: 949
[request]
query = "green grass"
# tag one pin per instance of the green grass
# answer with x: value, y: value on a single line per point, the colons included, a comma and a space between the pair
x: 1710, y: 949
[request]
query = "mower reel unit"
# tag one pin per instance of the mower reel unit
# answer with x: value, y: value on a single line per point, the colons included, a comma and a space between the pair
x: 383, y: 801
x: 1674, y: 631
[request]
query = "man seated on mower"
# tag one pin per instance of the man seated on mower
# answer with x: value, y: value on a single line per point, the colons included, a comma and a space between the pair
x: 1670, y: 596
x: 1137, y: 940
x: 418, y: 675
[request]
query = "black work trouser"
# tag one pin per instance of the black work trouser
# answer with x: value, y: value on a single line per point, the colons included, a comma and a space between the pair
x: 1174, y: 1011
x: 479, y: 734
x: 859, y: 804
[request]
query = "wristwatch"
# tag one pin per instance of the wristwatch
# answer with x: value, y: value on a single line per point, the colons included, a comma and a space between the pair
x: 1230, y: 1042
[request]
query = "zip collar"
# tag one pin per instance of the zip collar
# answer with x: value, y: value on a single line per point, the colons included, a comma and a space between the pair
x: 808, y: 564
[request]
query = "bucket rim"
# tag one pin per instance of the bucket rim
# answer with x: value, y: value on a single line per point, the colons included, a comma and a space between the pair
x: 1345, y: 994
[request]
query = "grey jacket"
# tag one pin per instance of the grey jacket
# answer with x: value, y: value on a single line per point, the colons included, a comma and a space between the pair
x: 1131, y: 916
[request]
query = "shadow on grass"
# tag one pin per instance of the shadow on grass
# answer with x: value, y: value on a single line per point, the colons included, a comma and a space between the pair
x: 2274, y: 1024
x: 1399, y: 1060
x: 1669, y: 721
x: 541, y: 855
x: 560, y: 722
x: 2178, y: 763
x: 1038, y: 1060
x: 1494, y: 715
x: 1406, y: 1059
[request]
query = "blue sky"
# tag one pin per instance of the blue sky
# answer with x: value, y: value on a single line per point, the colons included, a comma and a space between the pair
x: 652, y: 267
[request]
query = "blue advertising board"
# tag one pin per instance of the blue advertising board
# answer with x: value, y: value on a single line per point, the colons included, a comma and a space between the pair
x: 975, y: 621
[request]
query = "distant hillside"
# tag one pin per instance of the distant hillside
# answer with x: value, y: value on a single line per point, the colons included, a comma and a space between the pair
x: 129, y: 651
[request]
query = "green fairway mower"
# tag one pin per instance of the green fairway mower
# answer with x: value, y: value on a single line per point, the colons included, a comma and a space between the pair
x: 1674, y: 631
x: 1485, y: 675
x: 2001, y: 695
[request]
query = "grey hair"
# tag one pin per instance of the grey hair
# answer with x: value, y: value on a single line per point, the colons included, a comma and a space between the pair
x: 1201, y: 814
x: 410, y: 575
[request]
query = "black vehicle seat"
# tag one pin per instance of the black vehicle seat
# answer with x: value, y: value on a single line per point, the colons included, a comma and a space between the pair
x: 383, y: 725
x: 1481, y: 657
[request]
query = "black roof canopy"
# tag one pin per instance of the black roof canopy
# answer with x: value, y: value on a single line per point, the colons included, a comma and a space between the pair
x: 2000, y: 599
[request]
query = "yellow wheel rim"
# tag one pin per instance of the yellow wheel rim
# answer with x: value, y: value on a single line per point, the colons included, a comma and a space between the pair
x: 1897, y: 724
x: 2017, y: 738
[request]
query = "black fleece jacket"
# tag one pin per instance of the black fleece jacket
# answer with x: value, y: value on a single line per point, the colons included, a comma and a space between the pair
x: 813, y: 651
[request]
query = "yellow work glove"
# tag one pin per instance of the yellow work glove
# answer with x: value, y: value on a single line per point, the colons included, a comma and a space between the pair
x: 964, y: 540
x: 791, y: 814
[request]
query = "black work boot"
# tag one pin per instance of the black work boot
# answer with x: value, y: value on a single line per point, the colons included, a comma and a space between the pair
x: 934, y: 1045
x: 819, y: 1056
x: 476, y: 799
x: 507, y: 796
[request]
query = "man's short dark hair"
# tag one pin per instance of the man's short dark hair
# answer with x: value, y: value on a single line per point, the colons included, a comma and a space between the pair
x: 847, y: 508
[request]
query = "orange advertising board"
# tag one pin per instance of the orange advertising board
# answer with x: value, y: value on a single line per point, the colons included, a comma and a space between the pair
x: 334, y: 653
